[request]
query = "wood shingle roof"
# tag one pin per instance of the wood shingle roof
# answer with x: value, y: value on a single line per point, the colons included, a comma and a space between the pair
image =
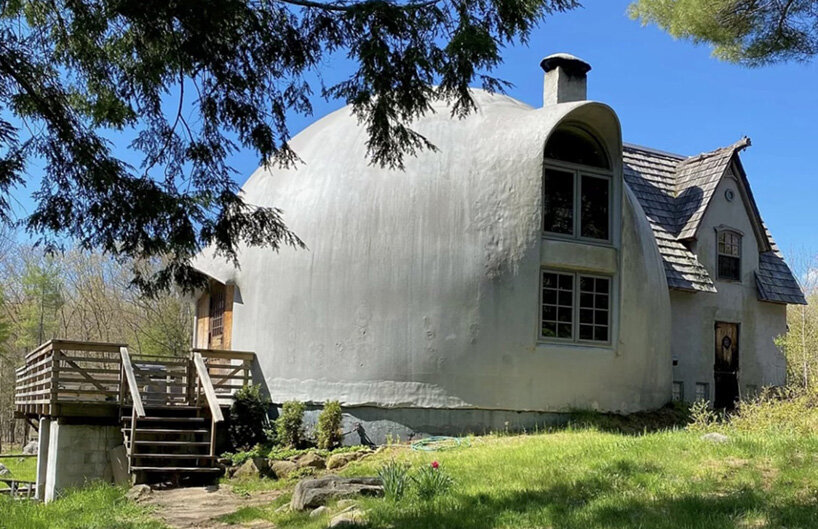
x: 675, y: 191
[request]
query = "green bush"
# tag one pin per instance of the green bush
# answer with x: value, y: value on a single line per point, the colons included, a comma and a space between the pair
x: 329, y: 426
x: 290, y: 424
x: 395, y: 477
x: 248, y: 418
x: 430, y: 481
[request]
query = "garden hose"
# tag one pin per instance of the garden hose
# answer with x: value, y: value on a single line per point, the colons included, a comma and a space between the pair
x: 438, y: 443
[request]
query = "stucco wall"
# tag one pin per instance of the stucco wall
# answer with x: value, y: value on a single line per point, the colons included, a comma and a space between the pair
x: 420, y: 289
x: 761, y: 363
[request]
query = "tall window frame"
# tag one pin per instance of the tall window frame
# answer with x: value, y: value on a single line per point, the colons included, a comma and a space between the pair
x: 728, y: 254
x: 583, y: 176
x: 553, y: 282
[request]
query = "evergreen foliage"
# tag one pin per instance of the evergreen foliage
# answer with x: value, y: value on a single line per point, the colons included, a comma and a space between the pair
x: 743, y: 31
x: 194, y: 82
x: 290, y: 424
x: 248, y: 415
x: 329, y: 433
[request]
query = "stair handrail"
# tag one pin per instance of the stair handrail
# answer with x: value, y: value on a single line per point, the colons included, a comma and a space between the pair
x: 130, y: 377
x: 207, y: 386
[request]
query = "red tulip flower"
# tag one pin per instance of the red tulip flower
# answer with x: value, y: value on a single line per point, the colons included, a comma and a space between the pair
x: 435, y: 465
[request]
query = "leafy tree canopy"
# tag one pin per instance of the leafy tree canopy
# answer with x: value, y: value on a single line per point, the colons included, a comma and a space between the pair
x: 749, y: 32
x: 233, y: 70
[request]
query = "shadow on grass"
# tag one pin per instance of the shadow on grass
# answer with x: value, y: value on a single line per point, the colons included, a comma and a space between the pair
x: 597, y: 502
x: 671, y: 416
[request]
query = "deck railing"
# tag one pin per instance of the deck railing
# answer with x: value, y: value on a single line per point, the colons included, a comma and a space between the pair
x: 61, y: 374
x: 229, y: 370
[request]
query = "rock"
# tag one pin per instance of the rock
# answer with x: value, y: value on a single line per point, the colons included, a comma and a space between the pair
x: 344, y: 458
x: 348, y: 519
x: 138, y: 493
x: 3, y: 470
x: 345, y: 504
x: 282, y: 469
x: 312, y: 493
x: 318, y: 511
x: 254, y: 467
x: 715, y: 437
x: 31, y: 448
x: 312, y: 460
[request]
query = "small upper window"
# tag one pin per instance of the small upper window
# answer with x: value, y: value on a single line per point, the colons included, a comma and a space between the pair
x: 574, y: 145
x: 729, y: 252
x: 576, y: 194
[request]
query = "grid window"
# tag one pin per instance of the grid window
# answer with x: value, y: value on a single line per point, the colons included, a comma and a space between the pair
x: 573, y: 298
x: 729, y: 250
x: 557, y: 305
x: 678, y: 391
x: 216, y: 314
x: 702, y: 391
x: 594, y: 305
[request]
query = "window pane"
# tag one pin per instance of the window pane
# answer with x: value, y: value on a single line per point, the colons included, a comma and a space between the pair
x: 558, y: 202
x: 594, y: 217
x: 573, y: 144
x: 594, y: 309
x: 729, y: 267
x: 557, y: 305
x: 549, y: 329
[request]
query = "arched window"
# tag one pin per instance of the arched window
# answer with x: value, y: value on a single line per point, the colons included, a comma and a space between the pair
x: 729, y: 252
x: 576, y: 185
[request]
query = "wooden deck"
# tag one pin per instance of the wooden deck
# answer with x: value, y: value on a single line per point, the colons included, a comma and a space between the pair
x: 64, y: 378
x: 168, y: 407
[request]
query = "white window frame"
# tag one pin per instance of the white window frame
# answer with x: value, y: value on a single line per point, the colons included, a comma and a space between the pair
x: 575, y: 339
x: 706, y: 386
x: 579, y: 171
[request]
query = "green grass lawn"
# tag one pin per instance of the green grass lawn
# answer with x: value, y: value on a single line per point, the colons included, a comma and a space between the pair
x: 588, y: 479
x: 19, y: 468
x: 96, y: 507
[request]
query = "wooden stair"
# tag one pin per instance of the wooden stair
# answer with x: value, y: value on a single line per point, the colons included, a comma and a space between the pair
x: 169, y: 425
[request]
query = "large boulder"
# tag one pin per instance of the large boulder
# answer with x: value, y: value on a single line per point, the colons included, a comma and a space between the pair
x: 312, y: 493
x: 311, y: 460
x: 31, y: 448
x: 282, y: 469
x: 254, y: 467
x: 344, y: 458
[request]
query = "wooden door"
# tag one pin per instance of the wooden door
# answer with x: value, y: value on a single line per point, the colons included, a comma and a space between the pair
x: 725, y: 369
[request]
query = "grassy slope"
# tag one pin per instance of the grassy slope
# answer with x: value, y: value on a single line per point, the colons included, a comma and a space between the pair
x: 96, y: 507
x: 588, y: 479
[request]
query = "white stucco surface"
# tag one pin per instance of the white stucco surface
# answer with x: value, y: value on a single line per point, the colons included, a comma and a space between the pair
x: 761, y: 363
x: 420, y: 289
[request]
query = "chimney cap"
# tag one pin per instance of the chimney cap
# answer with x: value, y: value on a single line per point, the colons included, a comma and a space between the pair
x: 571, y: 64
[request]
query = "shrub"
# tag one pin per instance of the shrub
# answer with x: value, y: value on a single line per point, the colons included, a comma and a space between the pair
x: 702, y: 417
x: 395, y: 477
x: 329, y: 426
x: 430, y: 481
x: 290, y: 424
x: 248, y: 417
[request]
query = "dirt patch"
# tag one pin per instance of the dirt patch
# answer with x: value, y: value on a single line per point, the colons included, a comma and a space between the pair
x: 199, y: 507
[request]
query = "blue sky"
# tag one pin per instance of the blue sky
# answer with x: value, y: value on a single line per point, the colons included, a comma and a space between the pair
x: 670, y: 95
